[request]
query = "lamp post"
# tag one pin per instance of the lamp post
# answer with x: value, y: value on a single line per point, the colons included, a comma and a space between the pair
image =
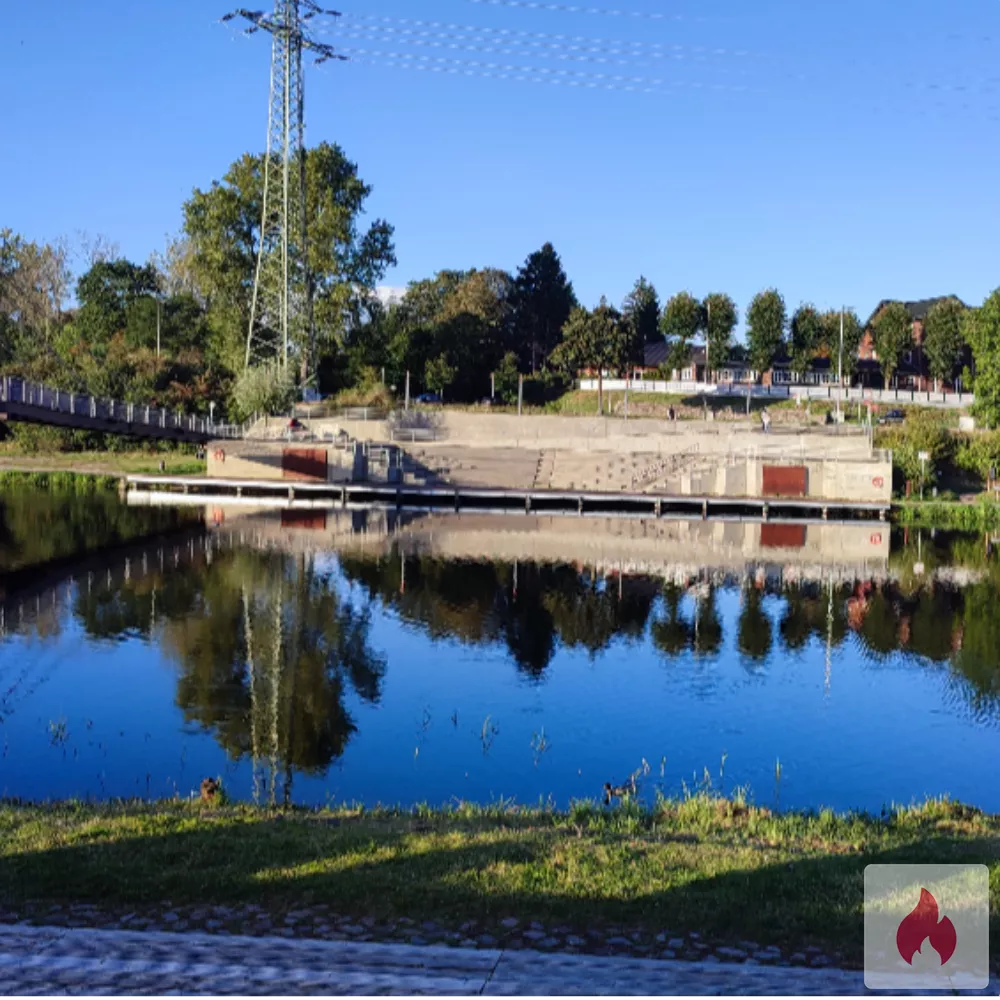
x: 211, y: 413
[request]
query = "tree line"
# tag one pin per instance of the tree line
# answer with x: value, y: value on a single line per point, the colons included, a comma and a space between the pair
x: 172, y: 331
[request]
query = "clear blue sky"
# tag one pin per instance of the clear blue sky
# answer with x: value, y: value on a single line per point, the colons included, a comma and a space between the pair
x: 840, y: 151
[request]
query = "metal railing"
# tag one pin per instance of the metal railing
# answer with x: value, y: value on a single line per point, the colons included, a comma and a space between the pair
x: 43, y: 397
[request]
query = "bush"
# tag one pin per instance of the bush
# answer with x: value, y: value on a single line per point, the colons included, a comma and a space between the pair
x: 979, y: 453
x: 922, y: 432
x: 267, y: 389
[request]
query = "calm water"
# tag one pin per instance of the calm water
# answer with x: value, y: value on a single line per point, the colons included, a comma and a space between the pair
x: 312, y: 661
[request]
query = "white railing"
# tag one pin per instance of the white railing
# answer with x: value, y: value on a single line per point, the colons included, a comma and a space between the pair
x: 43, y: 397
x: 740, y: 390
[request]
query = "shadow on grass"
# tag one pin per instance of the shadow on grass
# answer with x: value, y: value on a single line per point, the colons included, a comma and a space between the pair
x: 728, y: 892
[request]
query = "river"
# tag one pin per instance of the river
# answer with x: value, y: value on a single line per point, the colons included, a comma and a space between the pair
x: 357, y: 657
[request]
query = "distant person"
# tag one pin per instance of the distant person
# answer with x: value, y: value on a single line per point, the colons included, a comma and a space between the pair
x: 765, y: 420
x: 671, y: 416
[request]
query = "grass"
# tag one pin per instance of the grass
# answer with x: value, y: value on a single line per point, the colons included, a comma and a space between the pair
x: 727, y: 869
x: 105, y: 463
x: 981, y: 516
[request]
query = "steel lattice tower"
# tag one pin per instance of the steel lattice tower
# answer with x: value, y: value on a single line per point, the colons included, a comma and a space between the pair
x: 281, y: 303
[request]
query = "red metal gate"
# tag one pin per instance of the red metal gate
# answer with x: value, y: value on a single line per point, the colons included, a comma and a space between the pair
x: 784, y: 481
x: 782, y: 536
x: 306, y: 464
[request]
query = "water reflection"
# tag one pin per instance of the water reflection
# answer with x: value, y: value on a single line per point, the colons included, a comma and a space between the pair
x: 278, y: 650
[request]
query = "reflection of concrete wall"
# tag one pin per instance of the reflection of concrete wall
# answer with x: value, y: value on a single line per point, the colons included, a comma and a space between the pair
x: 262, y: 460
x: 658, y: 547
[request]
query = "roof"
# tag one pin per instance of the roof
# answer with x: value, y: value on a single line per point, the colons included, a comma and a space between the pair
x: 918, y: 309
x: 658, y: 353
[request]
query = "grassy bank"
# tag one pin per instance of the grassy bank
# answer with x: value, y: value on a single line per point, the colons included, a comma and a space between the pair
x: 728, y: 870
x: 981, y: 516
x: 100, y: 463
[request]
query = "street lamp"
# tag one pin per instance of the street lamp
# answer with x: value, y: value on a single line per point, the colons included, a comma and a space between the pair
x: 211, y: 414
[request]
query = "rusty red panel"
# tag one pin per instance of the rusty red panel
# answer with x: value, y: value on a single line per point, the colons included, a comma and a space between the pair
x: 311, y: 520
x: 782, y: 536
x: 305, y: 464
x: 784, y: 480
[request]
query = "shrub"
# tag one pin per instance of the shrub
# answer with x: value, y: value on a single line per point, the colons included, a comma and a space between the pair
x: 978, y: 453
x: 922, y: 432
x: 267, y: 389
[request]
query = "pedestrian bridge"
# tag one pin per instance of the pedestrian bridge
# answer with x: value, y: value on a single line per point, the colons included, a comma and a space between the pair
x: 34, y: 403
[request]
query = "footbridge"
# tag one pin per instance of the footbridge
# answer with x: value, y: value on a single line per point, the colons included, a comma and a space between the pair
x: 32, y: 402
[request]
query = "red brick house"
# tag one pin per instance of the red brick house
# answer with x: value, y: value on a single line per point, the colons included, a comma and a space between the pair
x: 912, y: 371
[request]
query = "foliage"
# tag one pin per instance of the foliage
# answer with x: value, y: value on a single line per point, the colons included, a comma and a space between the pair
x: 830, y: 338
x: 892, y: 331
x: 806, y: 337
x: 720, y: 320
x: 766, y: 319
x: 641, y: 315
x: 222, y: 226
x: 506, y: 379
x: 117, y: 297
x: 439, y: 374
x: 923, y: 431
x: 680, y: 324
x: 598, y: 341
x: 982, y: 333
x: 960, y: 516
x: 943, y: 337
x: 266, y: 390
x: 979, y: 453
x: 543, y: 299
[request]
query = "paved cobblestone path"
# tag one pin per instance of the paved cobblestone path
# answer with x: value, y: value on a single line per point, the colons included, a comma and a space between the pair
x: 46, y: 960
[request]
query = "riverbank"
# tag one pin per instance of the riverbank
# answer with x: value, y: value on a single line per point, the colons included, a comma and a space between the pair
x: 684, y: 879
x: 101, y: 463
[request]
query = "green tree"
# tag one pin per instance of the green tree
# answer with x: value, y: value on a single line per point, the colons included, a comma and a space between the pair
x: 830, y: 332
x: 982, y: 333
x: 597, y: 340
x: 222, y: 227
x: 720, y: 320
x: 680, y: 323
x: 806, y: 337
x: 439, y: 374
x: 766, y: 319
x: 892, y: 332
x: 117, y: 296
x: 543, y: 299
x: 641, y: 314
x: 506, y: 378
x: 943, y: 338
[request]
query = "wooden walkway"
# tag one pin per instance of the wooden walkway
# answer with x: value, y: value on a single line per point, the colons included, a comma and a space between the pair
x: 32, y: 402
x: 203, y: 490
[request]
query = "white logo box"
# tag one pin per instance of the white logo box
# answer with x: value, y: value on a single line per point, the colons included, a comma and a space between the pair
x: 927, y: 927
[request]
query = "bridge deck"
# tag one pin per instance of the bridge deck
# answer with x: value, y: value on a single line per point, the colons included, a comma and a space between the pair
x: 31, y: 402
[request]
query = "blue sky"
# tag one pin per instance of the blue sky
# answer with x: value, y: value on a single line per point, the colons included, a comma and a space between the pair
x: 840, y: 151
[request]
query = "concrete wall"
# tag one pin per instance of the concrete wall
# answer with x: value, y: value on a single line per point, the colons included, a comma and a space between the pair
x: 262, y: 460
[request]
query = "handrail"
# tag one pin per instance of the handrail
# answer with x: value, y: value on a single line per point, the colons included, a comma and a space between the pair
x: 14, y: 389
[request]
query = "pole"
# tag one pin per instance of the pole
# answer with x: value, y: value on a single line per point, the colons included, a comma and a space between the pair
x: 406, y: 403
x: 520, y: 393
x: 158, y: 304
x: 493, y: 387
x: 840, y: 364
x: 626, y: 397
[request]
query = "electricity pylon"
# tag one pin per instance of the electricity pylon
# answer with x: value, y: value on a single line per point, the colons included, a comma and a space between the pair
x: 281, y: 302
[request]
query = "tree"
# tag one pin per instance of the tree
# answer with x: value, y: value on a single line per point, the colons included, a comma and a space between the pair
x: 892, y: 331
x: 943, y: 339
x: 679, y: 324
x: 597, y: 340
x: 222, y: 225
x: 807, y: 337
x: 506, y: 378
x: 641, y: 314
x: 720, y: 320
x: 439, y: 374
x: 117, y: 296
x: 766, y: 319
x: 847, y: 358
x: 543, y: 300
x: 982, y: 333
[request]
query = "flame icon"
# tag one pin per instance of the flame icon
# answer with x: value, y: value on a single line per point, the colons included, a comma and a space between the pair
x: 923, y: 923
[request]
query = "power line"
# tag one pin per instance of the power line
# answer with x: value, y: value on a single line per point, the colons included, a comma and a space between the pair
x: 573, y: 9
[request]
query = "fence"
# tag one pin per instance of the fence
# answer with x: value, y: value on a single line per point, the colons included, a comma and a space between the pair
x: 41, y: 398
x: 639, y: 387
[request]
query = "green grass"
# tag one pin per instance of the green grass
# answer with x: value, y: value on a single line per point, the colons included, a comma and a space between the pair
x: 724, y: 868
x: 981, y: 516
x: 106, y: 463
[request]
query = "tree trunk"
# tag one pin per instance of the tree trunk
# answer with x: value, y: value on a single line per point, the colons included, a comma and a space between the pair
x: 600, y: 391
